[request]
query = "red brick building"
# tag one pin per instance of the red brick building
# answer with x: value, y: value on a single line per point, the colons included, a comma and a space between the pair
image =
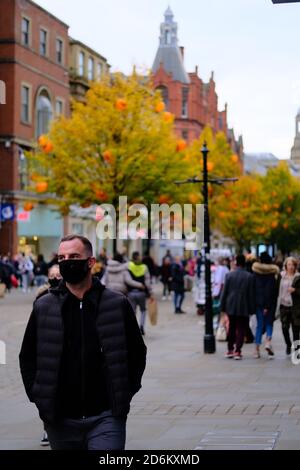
x: 34, y: 66
x: 193, y: 102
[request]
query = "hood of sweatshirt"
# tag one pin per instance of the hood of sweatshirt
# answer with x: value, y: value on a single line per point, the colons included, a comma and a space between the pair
x: 114, y: 266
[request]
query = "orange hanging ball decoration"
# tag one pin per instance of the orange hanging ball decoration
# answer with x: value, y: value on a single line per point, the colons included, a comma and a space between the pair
x: 121, y: 104
x: 107, y: 156
x: 28, y: 206
x: 42, y: 140
x: 222, y: 215
x: 193, y: 198
x: 164, y: 199
x: 48, y: 147
x: 234, y: 158
x: 180, y: 145
x: 167, y: 117
x: 210, y: 166
x: 160, y: 106
x: 285, y: 225
x: 41, y: 186
x: 101, y: 195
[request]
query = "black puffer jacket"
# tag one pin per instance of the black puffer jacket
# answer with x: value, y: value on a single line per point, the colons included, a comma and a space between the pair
x: 79, y: 358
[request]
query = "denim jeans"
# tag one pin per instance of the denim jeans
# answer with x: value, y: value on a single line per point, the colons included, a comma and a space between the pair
x: 102, y: 432
x: 263, y: 321
x: 178, y: 299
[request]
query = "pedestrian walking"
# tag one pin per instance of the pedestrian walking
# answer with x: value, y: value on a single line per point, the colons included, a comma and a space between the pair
x: 82, y: 356
x: 289, y: 306
x: 40, y: 271
x: 237, y: 302
x: 117, y: 276
x: 266, y: 278
x: 139, y: 273
x: 165, y: 277
x: 177, y: 274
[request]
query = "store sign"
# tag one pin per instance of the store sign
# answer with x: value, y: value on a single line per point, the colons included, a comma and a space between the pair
x: 23, y: 216
x: 7, y: 212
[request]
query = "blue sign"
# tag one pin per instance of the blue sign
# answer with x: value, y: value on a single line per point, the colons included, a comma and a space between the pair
x: 7, y: 212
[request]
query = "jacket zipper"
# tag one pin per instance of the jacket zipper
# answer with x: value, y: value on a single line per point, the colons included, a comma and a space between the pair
x: 82, y: 360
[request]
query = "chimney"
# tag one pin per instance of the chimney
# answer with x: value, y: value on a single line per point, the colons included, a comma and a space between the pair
x: 182, y: 52
x: 196, y: 69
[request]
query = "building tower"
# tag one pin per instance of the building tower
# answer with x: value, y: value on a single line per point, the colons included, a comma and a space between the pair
x: 295, y: 151
x: 168, y: 53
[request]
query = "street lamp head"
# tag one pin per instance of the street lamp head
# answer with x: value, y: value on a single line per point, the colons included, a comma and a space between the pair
x: 204, y: 148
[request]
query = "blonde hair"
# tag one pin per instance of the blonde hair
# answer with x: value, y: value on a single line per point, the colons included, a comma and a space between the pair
x: 293, y: 260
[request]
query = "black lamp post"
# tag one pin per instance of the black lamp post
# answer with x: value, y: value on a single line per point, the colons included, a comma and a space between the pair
x: 209, y: 337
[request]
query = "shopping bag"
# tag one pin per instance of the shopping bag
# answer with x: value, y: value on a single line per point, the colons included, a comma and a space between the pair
x: 221, y: 333
x: 2, y: 289
x: 14, y: 281
x: 152, y: 311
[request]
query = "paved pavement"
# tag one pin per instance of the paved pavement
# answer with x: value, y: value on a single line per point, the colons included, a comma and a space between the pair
x: 188, y: 401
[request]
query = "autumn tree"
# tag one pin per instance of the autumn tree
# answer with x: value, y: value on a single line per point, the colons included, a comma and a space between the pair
x: 119, y: 142
x: 283, y: 193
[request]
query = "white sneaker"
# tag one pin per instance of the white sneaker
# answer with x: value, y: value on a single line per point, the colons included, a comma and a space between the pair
x: 164, y: 298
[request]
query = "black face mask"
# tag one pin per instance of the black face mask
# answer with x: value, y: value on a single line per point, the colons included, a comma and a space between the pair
x: 74, y: 271
x: 54, y: 282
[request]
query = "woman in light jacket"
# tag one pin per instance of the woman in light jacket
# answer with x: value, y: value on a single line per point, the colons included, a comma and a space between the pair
x: 117, y: 276
x: 286, y: 301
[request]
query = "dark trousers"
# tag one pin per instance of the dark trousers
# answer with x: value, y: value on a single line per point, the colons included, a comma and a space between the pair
x: 102, y: 432
x: 287, y: 322
x: 167, y: 288
x: 236, y: 333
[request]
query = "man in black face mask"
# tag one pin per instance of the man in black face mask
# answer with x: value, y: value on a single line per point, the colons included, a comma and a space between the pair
x: 82, y: 357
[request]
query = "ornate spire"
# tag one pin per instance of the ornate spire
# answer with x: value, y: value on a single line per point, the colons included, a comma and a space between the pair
x: 168, y: 53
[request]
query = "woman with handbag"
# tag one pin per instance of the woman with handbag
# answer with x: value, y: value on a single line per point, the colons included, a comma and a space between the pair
x: 289, y: 301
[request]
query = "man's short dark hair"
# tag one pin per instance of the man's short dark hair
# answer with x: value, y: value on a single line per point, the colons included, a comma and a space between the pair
x: 135, y: 255
x: 85, y: 241
x: 240, y: 260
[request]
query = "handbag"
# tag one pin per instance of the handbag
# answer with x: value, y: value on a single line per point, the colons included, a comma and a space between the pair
x: 14, y: 281
x: 2, y: 289
x: 152, y: 311
x: 221, y: 333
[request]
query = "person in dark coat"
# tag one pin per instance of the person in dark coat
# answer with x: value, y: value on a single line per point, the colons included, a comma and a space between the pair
x: 237, y: 302
x: 267, y: 280
x: 177, y: 282
x: 165, y: 277
x: 82, y: 356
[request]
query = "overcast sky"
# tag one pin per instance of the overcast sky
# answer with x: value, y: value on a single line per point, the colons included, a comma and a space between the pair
x: 252, y: 46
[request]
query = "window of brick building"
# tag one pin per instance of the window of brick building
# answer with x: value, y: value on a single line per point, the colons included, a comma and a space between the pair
x: 91, y: 68
x: 81, y: 60
x: 59, y: 51
x: 59, y: 107
x: 164, y: 94
x: 44, y: 113
x: 185, y: 134
x: 25, y: 104
x: 25, y: 31
x: 43, y: 42
x: 184, y: 108
x: 100, y: 70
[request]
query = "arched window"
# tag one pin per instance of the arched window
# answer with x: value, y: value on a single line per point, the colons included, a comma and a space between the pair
x: 164, y: 94
x: 44, y: 113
